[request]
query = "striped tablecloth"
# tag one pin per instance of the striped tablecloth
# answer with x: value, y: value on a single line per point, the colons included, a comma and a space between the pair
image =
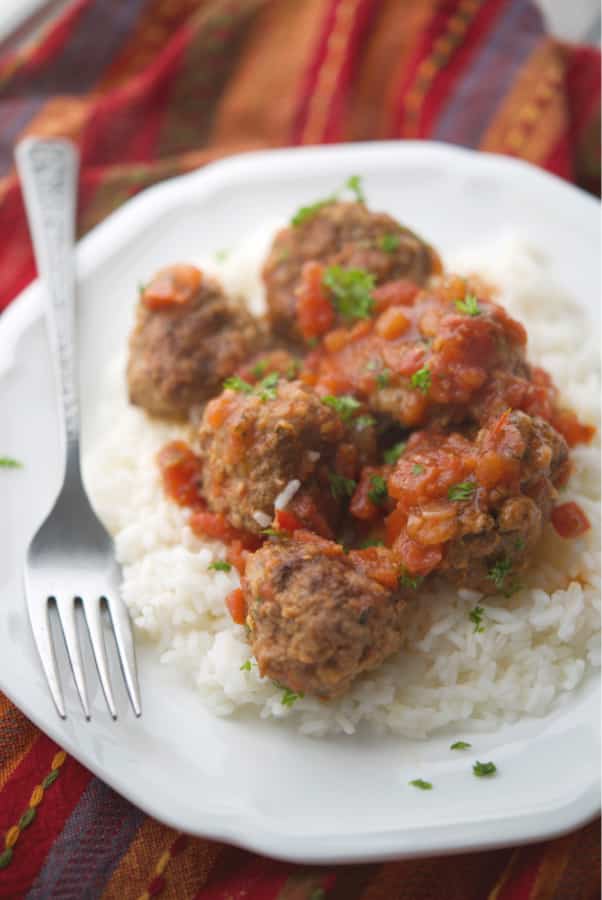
x: 152, y: 88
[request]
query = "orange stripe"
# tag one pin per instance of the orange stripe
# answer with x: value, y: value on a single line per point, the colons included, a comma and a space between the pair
x: 336, y: 50
x: 504, y: 878
x: 533, y: 116
x: 552, y: 868
x: 268, y: 50
x: 135, y: 868
x: 18, y: 734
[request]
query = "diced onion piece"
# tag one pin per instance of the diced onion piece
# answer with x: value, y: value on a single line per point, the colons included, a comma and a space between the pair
x: 286, y: 495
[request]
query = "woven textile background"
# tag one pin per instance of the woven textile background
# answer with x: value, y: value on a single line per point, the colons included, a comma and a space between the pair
x: 152, y: 88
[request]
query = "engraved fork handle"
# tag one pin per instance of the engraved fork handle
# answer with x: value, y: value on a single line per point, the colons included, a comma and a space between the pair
x: 48, y: 172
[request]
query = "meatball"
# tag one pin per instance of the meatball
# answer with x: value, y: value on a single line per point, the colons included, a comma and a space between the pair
x: 188, y: 337
x: 257, y: 440
x: 473, y: 508
x: 340, y: 234
x: 316, y: 621
x: 430, y: 361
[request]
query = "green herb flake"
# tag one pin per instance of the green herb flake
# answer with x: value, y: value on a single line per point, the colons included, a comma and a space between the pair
x: 268, y: 386
x: 469, y: 305
x: 499, y: 572
x: 519, y: 544
x: 220, y: 565
x: 289, y: 697
x: 371, y: 542
x: 363, y: 422
x: 378, y: 490
x: 351, y: 291
x: 293, y: 369
x: 389, y: 243
x: 354, y: 184
x: 462, y: 491
x: 260, y: 368
x: 222, y: 255
x: 235, y: 383
x: 318, y: 894
x: 274, y: 532
x: 7, y: 462
x: 410, y: 581
x: 141, y: 288
x: 246, y: 666
x: 308, y: 212
x: 417, y: 469
x: 421, y: 380
x: 481, y: 770
x: 422, y: 785
x: 345, y: 405
x: 340, y: 487
x: 476, y: 617
x: 391, y: 455
x: 461, y: 745
x: 383, y: 378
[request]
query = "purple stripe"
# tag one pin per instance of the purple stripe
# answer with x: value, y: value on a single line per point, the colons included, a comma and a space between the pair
x: 100, y: 32
x: 491, y: 75
x: 94, y: 838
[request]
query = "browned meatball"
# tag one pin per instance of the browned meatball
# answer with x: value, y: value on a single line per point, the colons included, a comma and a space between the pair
x: 254, y: 441
x: 188, y: 337
x: 316, y: 621
x: 341, y: 234
x: 474, y: 509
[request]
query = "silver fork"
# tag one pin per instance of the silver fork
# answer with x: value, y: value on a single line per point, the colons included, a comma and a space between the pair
x: 71, y: 559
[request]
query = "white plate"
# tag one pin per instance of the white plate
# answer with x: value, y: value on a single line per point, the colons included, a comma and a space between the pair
x: 253, y: 783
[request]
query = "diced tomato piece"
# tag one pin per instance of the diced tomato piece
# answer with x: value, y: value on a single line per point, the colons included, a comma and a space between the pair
x: 303, y: 506
x: 315, y: 313
x: 216, y: 526
x: 336, y: 340
x: 218, y: 409
x: 392, y: 323
x: 416, y: 558
x: 180, y: 474
x: 378, y: 563
x: 395, y: 293
x: 361, y: 505
x: 237, y: 606
x: 327, y: 548
x: 171, y: 287
x: 575, y: 432
x: 569, y: 520
x: 237, y: 556
x: 287, y: 521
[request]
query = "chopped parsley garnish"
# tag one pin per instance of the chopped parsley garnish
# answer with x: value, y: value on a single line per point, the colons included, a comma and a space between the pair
x: 341, y: 487
x: 393, y: 453
x: 460, y: 745
x: 274, y: 532
x: 289, y: 697
x: 345, y: 405
x: 7, y: 462
x: 476, y: 617
x: 462, y: 491
x: 378, y: 490
x: 293, y: 369
x: 469, y: 306
x: 236, y: 383
x: 519, y: 544
x: 268, y: 386
x: 389, y: 242
x: 383, y: 378
x: 246, y: 666
x: 351, y: 291
x: 354, y: 184
x: 481, y: 769
x: 308, y: 212
x: 318, y: 894
x: 221, y: 255
x: 410, y: 581
x: 422, y: 785
x: 499, y: 572
x: 421, y: 380
x: 364, y: 422
x: 220, y: 565
x: 417, y: 469
x: 141, y: 288
x: 260, y: 368
x: 371, y: 542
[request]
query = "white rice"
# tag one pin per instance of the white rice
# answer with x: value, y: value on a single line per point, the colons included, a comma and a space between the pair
x: 536, y: 647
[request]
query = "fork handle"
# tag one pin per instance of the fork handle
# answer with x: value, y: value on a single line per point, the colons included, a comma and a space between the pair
x: 48, y: 171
